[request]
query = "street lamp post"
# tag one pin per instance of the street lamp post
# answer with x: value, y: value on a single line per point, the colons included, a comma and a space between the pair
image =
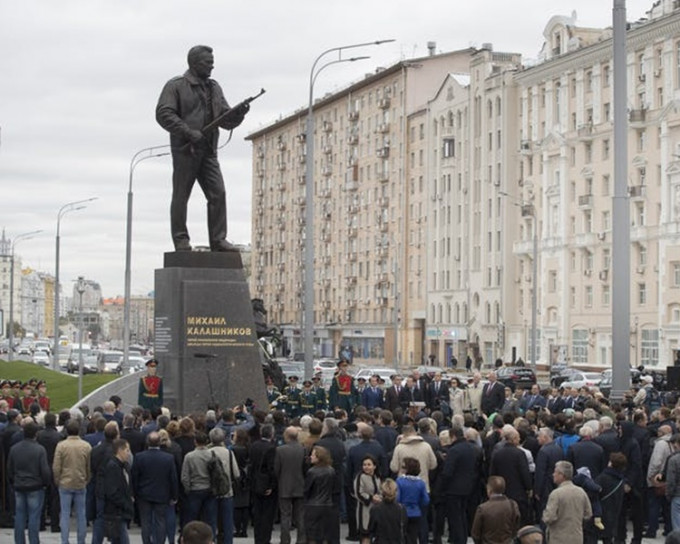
x: 66, y: 208
x: 309, y: 199
x: 80, y: 287
x: 17, y: 239
x: 141, y: 155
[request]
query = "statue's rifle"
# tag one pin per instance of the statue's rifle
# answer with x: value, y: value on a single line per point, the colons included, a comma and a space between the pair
x: 241, y: 106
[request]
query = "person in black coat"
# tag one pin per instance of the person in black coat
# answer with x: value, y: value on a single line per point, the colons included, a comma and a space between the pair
x: 367, y: 446
x: 155, y: 486
x: 49, y: 437
x: 387, y: 519
x: 385, y: 433
x: 241, y: 450
x: 117, y: 493
x: 99, y: 459
x: 460, y: 477
x: 410, y: 394
x: 392, y: 394
x: 612, y: 481
x: 608, y: 438
x: 437, y: 391
x: 548, y: 455
x: 510, y: 462
x: 493, y: 395
x: 135, y: 437
x: 587, y: 453
x: 633, y: 500
x: 264, y: 495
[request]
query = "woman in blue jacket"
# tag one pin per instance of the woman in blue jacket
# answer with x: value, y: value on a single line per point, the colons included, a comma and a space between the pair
x: 413, y: 495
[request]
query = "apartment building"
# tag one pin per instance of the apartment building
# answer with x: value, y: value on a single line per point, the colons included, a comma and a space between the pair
x: 363, y: 214
x: 472, y: 150
x: 566, y: 177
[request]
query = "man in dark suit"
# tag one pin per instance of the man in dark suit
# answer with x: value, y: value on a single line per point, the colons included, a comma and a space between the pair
x: 264, y: 484
x: 392, y: 393
x: 289, y: 463
x: 155, y: 487
x: 437, y: 391
x: 546, y: 459
x: 510, y: 462
x: 410, y: 394
x: 372, y: 396
x: 493, y: 395
x: 533, y: 400
x: 460, y: 477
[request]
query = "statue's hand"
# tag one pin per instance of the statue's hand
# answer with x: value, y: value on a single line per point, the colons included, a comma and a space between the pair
x: 195, y: 136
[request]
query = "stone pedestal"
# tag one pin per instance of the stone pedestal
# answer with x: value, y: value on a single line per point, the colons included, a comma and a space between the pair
x: 205, y: 336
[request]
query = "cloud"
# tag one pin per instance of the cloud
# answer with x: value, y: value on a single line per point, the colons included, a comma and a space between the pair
x: 80, y: 80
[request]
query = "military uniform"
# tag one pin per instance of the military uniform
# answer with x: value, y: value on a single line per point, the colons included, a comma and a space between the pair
x: 27, y: 399
x: 343, y: 393
x: 292, y: 394
x: 150, y: 389
x: 307, y: 399
x: 6, y: 393
x: 42, y: 398
x: 321, y: 397
x: 272, y: 397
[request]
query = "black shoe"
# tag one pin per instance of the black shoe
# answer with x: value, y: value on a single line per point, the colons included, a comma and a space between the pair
x: 182, y: 245
x: 223, y: 245
x: 56, y: 529
x: 649, y: 535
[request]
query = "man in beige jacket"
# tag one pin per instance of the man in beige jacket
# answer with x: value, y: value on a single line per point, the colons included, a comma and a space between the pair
x: 71, y: 469
x: 568, y: 507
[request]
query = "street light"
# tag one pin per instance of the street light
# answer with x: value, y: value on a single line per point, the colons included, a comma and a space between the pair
x: 80, y: 287
x: 529, y: 210
x: 17, y: 239
x: 66, y: 208
x: 309, y: 199
x: 141, y: 155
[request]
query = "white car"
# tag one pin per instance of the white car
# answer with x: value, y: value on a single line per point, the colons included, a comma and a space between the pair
x: 325, y: 366
x: 383, y: 372
x: 583, y: 379
x: 41, y: 358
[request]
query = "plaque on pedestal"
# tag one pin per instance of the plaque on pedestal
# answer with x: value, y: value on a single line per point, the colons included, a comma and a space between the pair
x: 205, y: 336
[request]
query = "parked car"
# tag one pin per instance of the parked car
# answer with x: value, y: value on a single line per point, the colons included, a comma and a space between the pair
x: 562, y: 375
x: 383, y: 372
x: 292, y: 368
x: 325, y: 366
x: 515, y: 377
x: 583, y: 379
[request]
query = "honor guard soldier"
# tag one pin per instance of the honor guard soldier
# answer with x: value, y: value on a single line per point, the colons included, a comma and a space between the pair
x: 150, y: 387
x: 320, y: 393
x: 42, y: 398
x: 292, y: 394
x: 6, y: 393
x: 27, y: 399
x: 342, y: 394
x: 307, y: 399
x: 273, y: 394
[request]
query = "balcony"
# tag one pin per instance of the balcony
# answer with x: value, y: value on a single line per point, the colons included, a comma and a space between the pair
x: 281, y: 186
x: 353, y: 115
x: 259, y: 193
x: 351, y: 280
x: 352, y: 257
x: 638, y: 233
x: 327, y: 149
x: 637, y: 192
x: 352, y: 232
x: 326, y: 193
x: 351, y: 186
x: 327, y: 126
x: 383, y: 128
x: 301, y: 179
x: 525, y: 147
x: 353, y: 209
x: 383, y: 152
x: 383, y: 177
x: 638, y: 116
x: 301, y: 138
x: 384, y: 103
x: 327, y: 171
x: 353, y: 139
x: 525, y: 247
x: 384, y: 201
x: 585, y: 132
x: 301, y: 159
x: 585, y: 240
x: 585, y: 201
x: 281, y: 166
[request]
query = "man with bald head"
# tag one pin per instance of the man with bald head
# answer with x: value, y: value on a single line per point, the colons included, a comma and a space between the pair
x: 155, y: 487
x: 288, y: 469
x: 368, y: 445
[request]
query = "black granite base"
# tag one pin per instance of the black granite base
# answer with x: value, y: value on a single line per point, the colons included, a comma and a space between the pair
x: 204, y: 333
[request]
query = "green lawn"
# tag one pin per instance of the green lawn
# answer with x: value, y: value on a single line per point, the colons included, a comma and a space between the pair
x: 61, y: 388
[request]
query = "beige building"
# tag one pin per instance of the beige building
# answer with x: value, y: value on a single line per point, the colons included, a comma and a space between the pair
x: 363, y: 214
x: 566, y: 174
x: 431, y: 178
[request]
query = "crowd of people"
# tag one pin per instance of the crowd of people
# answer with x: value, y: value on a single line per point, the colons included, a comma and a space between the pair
x: 424, y: 461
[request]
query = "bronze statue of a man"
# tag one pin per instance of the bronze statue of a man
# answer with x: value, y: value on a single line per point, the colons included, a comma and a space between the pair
x: 186, y: 106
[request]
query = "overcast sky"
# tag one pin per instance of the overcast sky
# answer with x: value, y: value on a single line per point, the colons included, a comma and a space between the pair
x: 79, y: 80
